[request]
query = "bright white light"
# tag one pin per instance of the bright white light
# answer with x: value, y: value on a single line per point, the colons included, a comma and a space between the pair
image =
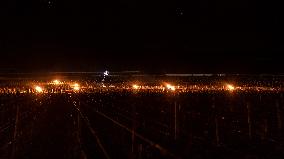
x: 38, y: 89
x: 170, y: 87
x: 106, y: 73
x: 230, y: 87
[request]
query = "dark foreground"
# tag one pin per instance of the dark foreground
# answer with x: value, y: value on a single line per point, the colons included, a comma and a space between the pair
x: 142, y: 125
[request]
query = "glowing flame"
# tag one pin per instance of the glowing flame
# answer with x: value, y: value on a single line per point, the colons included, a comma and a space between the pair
x: 38, y: 89
x: 135, y: 86
x: 170, y: 87
x: 56, y: 82
x: 230, y: 87
x: 76, y: 87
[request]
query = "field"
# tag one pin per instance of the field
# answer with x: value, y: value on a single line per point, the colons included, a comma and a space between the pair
x: 142, y: 117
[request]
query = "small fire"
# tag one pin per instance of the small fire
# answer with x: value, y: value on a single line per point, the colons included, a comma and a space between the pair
x: 38, y: 89
x: 230, y: 87
x: 76, y: 87
x: 171, y: 87
x: 56, y: 82
x: 135, y: 86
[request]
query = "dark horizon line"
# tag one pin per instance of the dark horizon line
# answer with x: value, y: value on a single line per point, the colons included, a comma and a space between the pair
x: 170, y: 73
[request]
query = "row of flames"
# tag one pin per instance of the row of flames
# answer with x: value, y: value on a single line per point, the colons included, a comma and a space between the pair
x: 76, y: 86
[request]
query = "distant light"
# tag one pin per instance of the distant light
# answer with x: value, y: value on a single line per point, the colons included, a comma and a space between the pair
x: 230, y: 87
x: 170, y: 87
x: 106, y: 73
x: 38, y: 89
x: 135, y: 86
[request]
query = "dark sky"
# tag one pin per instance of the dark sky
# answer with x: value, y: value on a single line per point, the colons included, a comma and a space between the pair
x: 148, y: 35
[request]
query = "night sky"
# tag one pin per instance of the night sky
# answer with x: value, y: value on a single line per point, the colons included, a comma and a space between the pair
x: 181, y: 36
